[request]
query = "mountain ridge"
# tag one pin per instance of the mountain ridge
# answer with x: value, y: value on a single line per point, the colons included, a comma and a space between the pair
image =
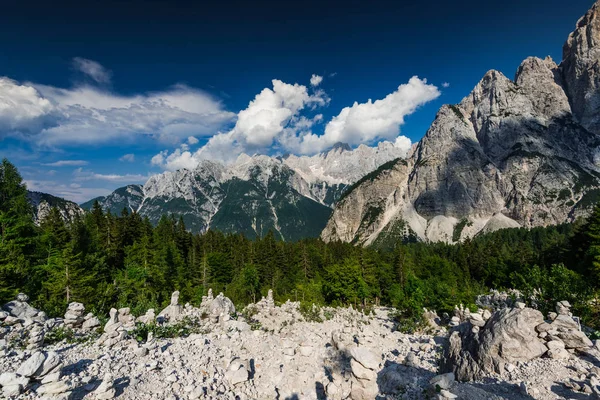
x: 292, y: 196
x: 522, y: 152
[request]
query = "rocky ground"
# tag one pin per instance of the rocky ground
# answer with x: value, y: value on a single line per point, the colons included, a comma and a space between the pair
x: 276, y: 352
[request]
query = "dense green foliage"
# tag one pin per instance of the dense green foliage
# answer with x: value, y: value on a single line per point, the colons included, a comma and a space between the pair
x: 103, y: 260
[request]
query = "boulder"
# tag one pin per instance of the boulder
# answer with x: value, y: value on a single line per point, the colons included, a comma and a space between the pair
x: 221, y: 305
x: 509, y: 336
x: 365, y: 357
x: 20, y: 309
x: 575, y: 339
x: 32, y: 364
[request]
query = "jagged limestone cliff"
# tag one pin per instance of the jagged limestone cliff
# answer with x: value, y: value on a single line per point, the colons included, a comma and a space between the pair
x: 522, y: 152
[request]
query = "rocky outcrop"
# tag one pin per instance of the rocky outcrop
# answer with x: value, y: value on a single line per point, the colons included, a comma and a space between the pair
x: 476, y: 350
x: 43, y: 202
x: 492, y: 344
x: 513, y: 153
x: 581, y: 71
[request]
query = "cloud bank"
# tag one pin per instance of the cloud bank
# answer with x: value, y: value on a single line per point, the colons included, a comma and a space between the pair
x: 281, y: 118
x: 273, y: 120
x: 87, y: 114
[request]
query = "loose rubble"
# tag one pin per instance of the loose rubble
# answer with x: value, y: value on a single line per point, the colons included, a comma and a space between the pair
x: 276, y: 351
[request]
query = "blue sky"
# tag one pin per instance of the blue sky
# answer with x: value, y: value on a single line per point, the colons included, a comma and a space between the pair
x: 93, y: 97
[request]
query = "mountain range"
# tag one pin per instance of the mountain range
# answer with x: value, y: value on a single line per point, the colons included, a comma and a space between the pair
x: 291, y: 195
x: 513, y: 153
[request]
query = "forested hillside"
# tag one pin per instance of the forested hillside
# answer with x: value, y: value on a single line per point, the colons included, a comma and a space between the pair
x: 103, y: 260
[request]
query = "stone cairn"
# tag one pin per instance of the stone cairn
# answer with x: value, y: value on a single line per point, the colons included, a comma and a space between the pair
x: 106, y: 389
x: 21, y: 320
x: 173, y: 312
x: 76, y: 318
x: 562, y: 332
x: 364, y: 365
x: 42, y: 369
x: 266, y: 304
x: 221, y: 309
x: 114, y: 331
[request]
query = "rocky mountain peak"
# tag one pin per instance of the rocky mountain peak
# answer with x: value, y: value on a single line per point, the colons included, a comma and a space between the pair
x: 581, y: 70
x: 340, y: 146
x: 512, y: 153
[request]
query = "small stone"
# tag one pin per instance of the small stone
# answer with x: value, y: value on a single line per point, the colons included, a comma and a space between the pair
x: 444, y: 381
x: 365, y: 357
x: 447, y: 395
x: 53, y: 388
x: 12, y: 390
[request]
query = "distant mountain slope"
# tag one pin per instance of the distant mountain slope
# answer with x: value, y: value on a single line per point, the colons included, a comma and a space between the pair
x: 291, y: 196
x: 43, y: 203
x: 129, y: 197
x: 522, y: 152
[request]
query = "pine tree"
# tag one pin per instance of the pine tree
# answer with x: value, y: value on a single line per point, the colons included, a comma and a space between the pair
x: 17, y: 233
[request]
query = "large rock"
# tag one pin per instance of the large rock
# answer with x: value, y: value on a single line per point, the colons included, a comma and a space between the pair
x: 221, y: 305
x: 32, y: 365
x: 575, y: 339
x: 365, y: 357
x: 20, y: 309
x: 509, y: 336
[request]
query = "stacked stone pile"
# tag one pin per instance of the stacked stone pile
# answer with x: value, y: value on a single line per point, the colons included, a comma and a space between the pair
x: 40, y: 372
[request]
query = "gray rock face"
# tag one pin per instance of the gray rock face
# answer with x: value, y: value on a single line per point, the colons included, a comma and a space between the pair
x: 508, y: 337
x: 43, y: 202
x: 520, y: 152
x: 581, y: 71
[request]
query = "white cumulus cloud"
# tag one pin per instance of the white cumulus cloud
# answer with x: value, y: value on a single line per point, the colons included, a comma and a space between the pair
x: 22, y: 108
x: 373, y: 120
x: 273, y: 120
x: 445, y: 85
x: 315, y: 80
x: 92, y: 69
